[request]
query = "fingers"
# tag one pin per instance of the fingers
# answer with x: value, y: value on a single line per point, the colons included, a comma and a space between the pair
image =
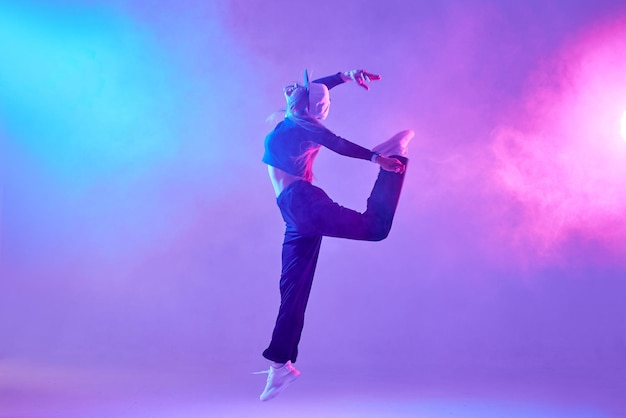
x: 371, y: 76
x: 399, y: 170
x: 362, y: 77
x: 399, y: 167
x: 362, y: 84
x: 392, y: 164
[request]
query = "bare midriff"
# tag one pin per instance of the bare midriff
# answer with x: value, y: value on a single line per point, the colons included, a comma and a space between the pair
x: 280, y: 179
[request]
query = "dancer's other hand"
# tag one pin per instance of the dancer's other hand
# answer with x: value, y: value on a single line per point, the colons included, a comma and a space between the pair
x: 390, y: 164
x: 362, y: 77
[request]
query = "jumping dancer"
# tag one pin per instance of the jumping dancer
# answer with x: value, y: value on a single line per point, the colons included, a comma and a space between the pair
x: 310, y: 214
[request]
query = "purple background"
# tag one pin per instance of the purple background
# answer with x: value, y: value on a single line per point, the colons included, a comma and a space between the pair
x: 140, y: 240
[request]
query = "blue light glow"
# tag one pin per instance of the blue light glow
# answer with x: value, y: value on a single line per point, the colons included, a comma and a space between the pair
x: 79, y: 90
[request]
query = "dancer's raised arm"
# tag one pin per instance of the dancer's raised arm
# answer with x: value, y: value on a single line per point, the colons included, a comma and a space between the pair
x: 361, y: 77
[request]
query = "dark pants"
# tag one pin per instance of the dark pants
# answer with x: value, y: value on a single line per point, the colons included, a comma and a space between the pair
x: 310, y: 214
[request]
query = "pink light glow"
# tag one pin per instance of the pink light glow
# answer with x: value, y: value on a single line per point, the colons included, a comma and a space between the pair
x: 623, y: 125
x: 560, y: 159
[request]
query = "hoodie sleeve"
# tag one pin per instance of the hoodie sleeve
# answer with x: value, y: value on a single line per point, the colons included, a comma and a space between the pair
x: 330, y: 81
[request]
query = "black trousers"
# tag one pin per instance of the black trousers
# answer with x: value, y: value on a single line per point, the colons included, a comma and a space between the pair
x: 309, y: 215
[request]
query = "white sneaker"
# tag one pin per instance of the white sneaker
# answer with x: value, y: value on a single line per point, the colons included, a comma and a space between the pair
x: 278, y: 380
x: 396, y: 145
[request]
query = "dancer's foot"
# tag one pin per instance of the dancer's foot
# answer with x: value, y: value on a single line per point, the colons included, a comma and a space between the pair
x: 278, y: 379
x: 396, y: 145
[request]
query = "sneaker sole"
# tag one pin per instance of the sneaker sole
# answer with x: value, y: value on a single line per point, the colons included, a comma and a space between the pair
x: 397, y: 143
x: 277, y: 391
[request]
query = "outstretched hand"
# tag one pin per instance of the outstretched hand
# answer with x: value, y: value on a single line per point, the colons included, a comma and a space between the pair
x: 390, y: 164
x: 362, y: 77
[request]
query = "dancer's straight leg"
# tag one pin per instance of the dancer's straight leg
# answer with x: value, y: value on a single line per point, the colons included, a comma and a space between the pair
x: 299, y: 262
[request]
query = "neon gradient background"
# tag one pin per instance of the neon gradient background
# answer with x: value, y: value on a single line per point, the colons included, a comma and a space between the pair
x: 140, y: 241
